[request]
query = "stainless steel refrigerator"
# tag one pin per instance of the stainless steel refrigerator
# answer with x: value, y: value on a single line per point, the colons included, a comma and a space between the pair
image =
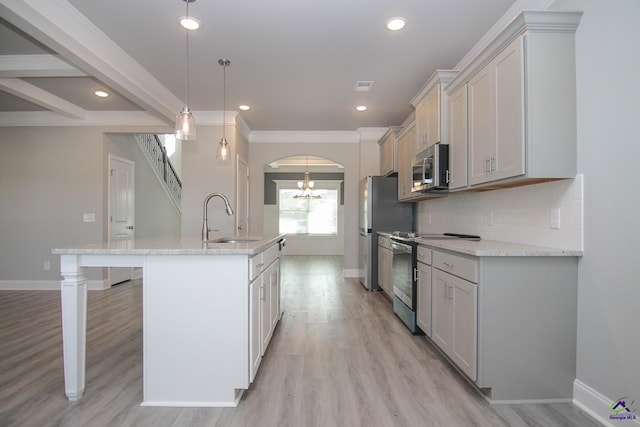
x: 379, y: 211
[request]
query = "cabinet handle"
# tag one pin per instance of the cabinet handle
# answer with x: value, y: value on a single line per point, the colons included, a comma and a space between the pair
x: 448, y: 264
x: 415, y: 274
x: 492, y: 164
x: 446, y: 292
x: 450, y: 292
x: 262, y: 293
x: 448, y: 176
x: 487, y: 166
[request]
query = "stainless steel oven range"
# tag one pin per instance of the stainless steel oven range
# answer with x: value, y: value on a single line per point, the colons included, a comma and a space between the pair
x: 405, y: 281
x: 405, y: 273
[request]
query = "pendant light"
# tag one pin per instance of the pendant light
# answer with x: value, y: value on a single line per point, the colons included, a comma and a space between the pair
x: 223, y: 148
x: 305, y: 187
x: 185, y: 122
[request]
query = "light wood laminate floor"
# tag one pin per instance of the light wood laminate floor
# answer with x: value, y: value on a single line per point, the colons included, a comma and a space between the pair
x: 339, y: 357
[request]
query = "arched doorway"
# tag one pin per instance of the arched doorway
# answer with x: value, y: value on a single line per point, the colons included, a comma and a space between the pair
x: 314, y: 219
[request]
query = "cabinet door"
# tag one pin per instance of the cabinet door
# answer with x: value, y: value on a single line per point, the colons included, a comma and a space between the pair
x: 424, y: 298
x: 433, y: 115
x: 458, y: 138
x: 384, y: 270
x: 387, y: 155
x: 255, y: 316
x: 274, y: 294
x: 265, y: 312
x: 442, y: 311
x: 405, y: 159
x: 421, y: 125
x: 481, y: 127
x: 509, y: 106
x: 464, y: 343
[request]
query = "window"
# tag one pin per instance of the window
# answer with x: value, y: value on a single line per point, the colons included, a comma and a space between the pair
x: 308, y: 216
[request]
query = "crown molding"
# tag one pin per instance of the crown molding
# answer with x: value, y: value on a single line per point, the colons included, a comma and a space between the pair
x: 372, y: 134
x: 325, y: 137
x: 439, y: 76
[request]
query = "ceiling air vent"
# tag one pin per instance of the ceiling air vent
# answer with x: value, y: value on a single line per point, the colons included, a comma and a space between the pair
x: 363, y: 85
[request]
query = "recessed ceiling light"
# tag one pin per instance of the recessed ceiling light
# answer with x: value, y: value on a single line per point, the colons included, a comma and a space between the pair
x: 189, y: 22
x: 397, y: 23
x: 361, y: 108
x: 101, y: 93
x: 244, y: 107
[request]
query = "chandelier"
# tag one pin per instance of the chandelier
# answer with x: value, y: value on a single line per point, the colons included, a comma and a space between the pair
x: 305, y: 187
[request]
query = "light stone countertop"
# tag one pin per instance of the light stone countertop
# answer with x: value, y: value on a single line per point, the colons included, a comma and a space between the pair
x: 493, y: 247
x: 172, y: 245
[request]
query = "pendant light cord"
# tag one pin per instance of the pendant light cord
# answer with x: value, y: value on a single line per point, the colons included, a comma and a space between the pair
x: 224, y: 100
x: 186, y: 95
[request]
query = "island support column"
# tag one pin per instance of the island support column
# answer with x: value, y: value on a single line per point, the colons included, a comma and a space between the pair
x: 74, y: 324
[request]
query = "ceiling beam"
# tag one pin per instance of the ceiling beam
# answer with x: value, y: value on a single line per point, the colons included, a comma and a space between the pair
x: 62, y: 28
x: 45, y: 99
x: 37, y: 66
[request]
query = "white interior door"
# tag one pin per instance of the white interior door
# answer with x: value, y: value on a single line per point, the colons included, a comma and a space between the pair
x: 121, y: 213
x: 242, y: 198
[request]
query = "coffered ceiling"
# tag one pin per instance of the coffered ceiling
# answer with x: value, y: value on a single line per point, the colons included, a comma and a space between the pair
x: 295, y: 63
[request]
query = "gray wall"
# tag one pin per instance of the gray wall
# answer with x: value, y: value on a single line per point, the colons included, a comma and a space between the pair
x: 608, y: 63
x: 155, y: 215
x: 50, y: 177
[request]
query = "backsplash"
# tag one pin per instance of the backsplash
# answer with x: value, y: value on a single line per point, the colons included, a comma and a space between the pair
x: 519, y: 215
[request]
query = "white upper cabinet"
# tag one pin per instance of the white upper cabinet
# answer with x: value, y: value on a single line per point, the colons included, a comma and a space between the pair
x: 406, y: 146
x: 431, y: 111
x: 521, y: 103
x: 389, y: 151
x: 458, y: 139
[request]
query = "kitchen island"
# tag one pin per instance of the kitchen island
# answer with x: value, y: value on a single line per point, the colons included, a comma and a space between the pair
x: 209, y: 309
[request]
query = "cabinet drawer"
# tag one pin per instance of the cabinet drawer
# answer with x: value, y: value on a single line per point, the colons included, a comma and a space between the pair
x: 384, y: 241
x: 457, y: 265
x: 256, y: 265
x: 270, y: 255
x: 424, y: 255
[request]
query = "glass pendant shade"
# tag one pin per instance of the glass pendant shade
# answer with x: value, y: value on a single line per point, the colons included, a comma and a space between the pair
x: 223, y: 150
x: 185, y: 125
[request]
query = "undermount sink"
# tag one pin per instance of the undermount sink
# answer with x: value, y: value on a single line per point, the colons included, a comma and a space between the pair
x: 234, y: 240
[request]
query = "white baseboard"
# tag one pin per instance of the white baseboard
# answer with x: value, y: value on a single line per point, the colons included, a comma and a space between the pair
x: 46, y: 285
x: 597, y: 405
x: 347, y: 272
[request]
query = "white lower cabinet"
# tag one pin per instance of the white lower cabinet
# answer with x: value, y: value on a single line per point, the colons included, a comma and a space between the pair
x: 507, y: 322
x: 385, y: 260
x: 454, y: 319
x: 423, y: 310
x: 264, y: 304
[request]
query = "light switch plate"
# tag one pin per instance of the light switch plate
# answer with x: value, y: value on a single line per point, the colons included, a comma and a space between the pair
x: 89, y: 217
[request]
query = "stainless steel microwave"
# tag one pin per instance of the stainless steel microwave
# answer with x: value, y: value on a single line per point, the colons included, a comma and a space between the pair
x: 431, y: 169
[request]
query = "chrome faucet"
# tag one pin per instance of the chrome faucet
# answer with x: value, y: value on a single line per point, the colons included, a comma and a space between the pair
x: 205, y: 224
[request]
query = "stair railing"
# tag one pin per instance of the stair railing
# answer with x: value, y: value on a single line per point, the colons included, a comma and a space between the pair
x: 157, y: 156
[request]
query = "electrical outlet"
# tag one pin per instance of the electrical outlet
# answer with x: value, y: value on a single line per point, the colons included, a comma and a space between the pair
x: 89, y: 217
x: 47, y: 266
x: 490, y: 221
x: 554, y: 220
